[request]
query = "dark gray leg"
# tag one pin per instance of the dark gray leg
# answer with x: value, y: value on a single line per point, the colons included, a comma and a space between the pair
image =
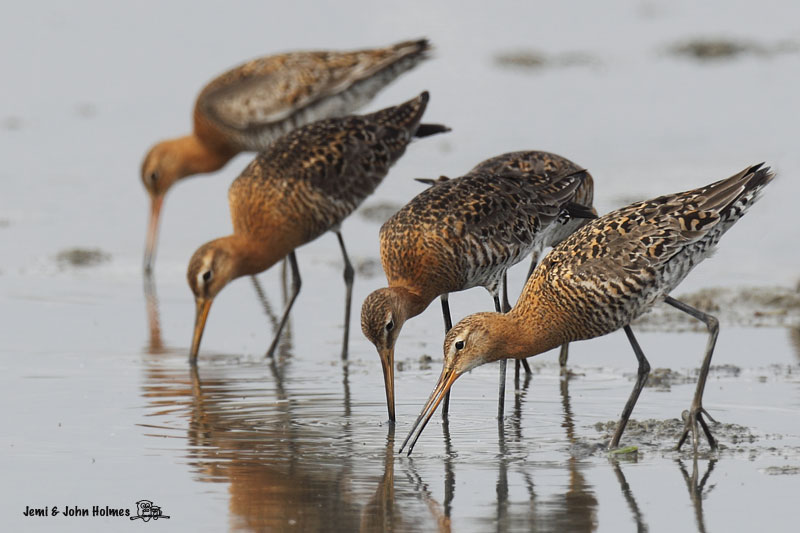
x: 696, y: 410
x: 503, y: 364
x: 296, y: 282
x: 348, y: 282
x: 641, y: 379
x: 448, y: 323
x: 562, y: 357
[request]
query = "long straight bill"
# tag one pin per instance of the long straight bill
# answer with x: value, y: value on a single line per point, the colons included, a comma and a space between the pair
x: 203, y: 306
x: 387, y: 362
x: 152, y: 232
x: 446, y: 381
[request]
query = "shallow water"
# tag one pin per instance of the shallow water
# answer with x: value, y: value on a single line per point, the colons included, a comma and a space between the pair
x: 101, y: 407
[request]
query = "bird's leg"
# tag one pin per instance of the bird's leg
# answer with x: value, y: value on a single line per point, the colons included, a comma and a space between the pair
x: 296, y: 282
x: 641, y: 379
x: 506, y: 309
x: 448, y: 323
x: 696, y: 411
x: 562, y: 358
x: 503, y: 363
x: 348, y: 282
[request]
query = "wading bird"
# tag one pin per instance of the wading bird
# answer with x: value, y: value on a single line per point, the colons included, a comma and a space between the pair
x: 466, y: 232
x: 305, y: 184
x: 248, y: 107
x: 600, y: 279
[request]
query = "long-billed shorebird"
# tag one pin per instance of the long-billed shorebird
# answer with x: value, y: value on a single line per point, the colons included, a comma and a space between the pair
x: 248, y: 107
x: 600, y: 279
x: 305, y: 184
x: 464, y: 233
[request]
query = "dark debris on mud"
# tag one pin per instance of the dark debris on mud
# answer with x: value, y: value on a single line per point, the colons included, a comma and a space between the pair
x: 531, y: 60
x: 82, y: 257
x: 740, y: 306
x: 785, y: 470
x: 716, y: 49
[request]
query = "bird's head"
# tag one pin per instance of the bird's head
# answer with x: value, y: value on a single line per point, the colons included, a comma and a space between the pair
x: 382, y: 317
x: 213, y: 265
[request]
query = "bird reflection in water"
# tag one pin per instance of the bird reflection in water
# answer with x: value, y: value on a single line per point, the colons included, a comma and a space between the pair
x: 155, y: 345
x: 697, y: 488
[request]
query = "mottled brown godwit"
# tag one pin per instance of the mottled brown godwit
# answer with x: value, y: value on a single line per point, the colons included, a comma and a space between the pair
x: 248, y: 107
x: 600, y: 279
x: 305, y: 184
x: 464, y: 233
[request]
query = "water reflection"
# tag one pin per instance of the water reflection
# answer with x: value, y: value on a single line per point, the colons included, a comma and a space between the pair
x: 283, y: 468
x: 627, y: 493
x: 697, y: 489
x: 294, y: 457
x: 794, y: 336
x: 155, y: 345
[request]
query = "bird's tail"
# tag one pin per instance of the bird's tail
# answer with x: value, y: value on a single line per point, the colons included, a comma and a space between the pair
x: 425, y: 130
x: 732, y: 197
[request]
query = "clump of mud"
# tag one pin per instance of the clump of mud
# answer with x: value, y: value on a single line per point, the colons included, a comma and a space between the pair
x: 663, y: 435
x: 82, y: 257
x: 782, y: 470
x: 741, y: 306
x: 533, y: 60
x: 716, y: 49
x: 379, y: 212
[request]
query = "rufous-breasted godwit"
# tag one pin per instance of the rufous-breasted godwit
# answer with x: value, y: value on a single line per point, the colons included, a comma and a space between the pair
x: 463, y: 233
x: 248, y: 107
x: 600, y: 279
x: 305, y: 184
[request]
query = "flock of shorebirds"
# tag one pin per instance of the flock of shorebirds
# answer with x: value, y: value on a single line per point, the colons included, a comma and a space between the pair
x: 317, y: 163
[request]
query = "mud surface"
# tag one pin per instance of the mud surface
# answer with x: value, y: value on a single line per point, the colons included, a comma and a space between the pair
x: 739, y: 306
x: 716, y: 49
x: 82, y: 257
x: 531, y: 60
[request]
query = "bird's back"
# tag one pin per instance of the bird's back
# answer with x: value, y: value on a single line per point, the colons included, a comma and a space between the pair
x: 541, y: 167
x: 612, y: 269
x: 465, y: 232
x: 251, y: 105
x: 315, y: 176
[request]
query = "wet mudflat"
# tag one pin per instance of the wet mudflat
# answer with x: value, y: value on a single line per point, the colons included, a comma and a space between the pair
x: 102, y: 409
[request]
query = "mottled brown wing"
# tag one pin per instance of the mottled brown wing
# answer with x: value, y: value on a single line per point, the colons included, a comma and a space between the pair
x: 539, y: 166
x: 271, y: 89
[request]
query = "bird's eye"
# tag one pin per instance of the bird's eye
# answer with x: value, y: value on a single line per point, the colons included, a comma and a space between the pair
x: 153, y: 177
x: 207, y: 276
x: 459, y: 345
x: 390, y: 325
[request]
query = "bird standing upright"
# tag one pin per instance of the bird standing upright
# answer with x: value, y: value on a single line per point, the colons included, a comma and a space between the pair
x: 249, y: 106
x: 305, y: 184
x: 464, y: 233
x: 600, y: 279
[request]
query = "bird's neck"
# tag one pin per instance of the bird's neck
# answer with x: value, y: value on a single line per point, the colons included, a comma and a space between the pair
x: 252, y: 256
x: 409, y: 302
x: 530, y: 329
x: 197, y: 157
